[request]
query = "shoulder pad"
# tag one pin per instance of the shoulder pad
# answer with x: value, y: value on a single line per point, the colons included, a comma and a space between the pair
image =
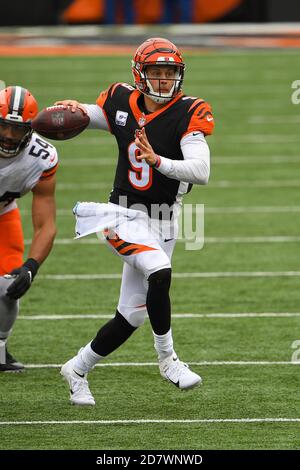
x: 111, y: 91
x: 45, y: 153
x: 201, y: 118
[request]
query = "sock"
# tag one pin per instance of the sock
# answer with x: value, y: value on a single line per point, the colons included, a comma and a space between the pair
x: 86, y: 359
x: 112, y: 335
x: 2, y: 351
x: 163, y: 345
x: 158, y: 301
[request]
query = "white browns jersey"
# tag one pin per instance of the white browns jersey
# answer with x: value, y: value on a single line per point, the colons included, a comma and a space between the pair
x: 18, y: 175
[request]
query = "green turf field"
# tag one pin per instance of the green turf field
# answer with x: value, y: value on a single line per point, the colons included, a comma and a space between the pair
x: 249, y: 264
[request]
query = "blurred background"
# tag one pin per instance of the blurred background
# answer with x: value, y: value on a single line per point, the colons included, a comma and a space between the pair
x: 50, y: 12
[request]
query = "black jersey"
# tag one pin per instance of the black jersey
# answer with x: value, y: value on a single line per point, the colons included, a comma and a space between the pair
x: 165, y: 128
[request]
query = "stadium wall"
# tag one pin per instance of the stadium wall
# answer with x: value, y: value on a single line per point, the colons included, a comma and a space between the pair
x: 53, y: 12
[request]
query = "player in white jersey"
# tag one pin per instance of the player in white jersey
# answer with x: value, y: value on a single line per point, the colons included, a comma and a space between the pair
x: 27, y: 163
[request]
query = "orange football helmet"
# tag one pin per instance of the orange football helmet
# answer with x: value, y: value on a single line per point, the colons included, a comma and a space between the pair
x: 17, y: 108
x: 157, y: 51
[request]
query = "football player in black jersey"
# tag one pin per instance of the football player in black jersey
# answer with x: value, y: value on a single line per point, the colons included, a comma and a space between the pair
x: 162, y: 152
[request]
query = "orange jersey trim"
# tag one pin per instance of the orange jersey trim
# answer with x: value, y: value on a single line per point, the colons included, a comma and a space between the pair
x: 101, y: 101
x: 47, y: 174
x: 102, y: 98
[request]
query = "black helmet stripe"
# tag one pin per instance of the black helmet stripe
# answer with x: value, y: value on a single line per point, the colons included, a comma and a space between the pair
x: 159, y: 49
x: 17, y: 99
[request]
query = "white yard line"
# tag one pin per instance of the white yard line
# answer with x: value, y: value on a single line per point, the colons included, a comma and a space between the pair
x: 274, y: 119
x: 100, y: 161
x: 264, y: 138
x: 208, y: 209
x: 255, y: 160
x: 278, y: 239
x: 251, y: 209
x: 154, y: 421
x: 219, y: 160
x: 154, y: 364
x: 84, y: 316
x: 261, y: 139
x: 207, y: 275
x: 221, y: 184
x: 265, y: 184
x: 81, y: 187
x: 215, y: 240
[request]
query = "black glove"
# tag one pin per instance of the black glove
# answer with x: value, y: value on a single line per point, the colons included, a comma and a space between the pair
x: 24, y: 277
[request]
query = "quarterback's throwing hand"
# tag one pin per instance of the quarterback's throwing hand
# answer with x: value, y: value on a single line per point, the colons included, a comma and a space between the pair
x: 146, y: 151
x: 73, y: 104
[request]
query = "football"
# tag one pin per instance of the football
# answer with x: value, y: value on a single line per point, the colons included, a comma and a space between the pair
x: 59, y: 122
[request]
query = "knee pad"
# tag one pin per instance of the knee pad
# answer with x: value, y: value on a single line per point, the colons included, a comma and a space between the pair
x: 161, y: 279
x: 133, y: 316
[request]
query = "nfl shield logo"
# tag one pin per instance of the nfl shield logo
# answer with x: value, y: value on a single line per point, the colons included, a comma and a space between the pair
x: 142, y: 120
x: 58, y: 119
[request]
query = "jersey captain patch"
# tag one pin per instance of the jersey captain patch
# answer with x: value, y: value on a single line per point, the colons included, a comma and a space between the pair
x: 121, y: 118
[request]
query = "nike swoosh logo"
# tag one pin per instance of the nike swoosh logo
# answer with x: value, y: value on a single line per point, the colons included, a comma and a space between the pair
x: 79, y: 375
x: 175, y: 383
x: 209, y: 118
x: 168, y: 239
x: 196, y: 133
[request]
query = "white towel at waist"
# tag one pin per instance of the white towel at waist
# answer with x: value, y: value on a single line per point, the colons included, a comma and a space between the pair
x: 92, y: 217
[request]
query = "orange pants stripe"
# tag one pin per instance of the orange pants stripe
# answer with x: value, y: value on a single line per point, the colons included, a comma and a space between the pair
x: 11, y: 241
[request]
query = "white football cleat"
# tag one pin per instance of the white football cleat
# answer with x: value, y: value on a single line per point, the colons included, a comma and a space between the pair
x: 80, y: 393
x: 178, y: 373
